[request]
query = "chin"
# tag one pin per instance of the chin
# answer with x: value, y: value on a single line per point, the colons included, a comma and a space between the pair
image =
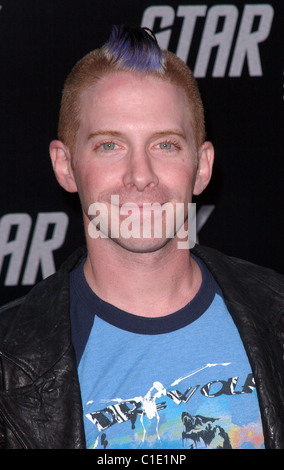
x: 145, y: 245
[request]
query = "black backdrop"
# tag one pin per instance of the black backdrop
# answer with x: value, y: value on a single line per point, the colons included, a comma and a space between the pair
x: 235, y: 50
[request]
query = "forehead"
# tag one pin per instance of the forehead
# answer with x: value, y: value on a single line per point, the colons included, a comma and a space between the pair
x: 117, y: 95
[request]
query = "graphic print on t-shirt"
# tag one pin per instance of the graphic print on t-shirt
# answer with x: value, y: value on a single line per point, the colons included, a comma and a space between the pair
x: 164, y: 417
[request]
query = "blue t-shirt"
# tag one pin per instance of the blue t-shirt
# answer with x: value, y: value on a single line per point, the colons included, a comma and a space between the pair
x: 178, y: 381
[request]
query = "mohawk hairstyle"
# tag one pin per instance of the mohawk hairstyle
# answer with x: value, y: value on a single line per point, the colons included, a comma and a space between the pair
x: 134, y: 48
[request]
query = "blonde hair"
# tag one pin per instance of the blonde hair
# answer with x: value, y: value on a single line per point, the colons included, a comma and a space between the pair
x: 128, y: 49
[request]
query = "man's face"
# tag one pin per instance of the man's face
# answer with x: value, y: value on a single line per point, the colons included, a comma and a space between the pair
x: 135, y: 141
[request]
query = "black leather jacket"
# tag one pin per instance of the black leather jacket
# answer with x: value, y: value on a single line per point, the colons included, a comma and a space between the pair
x: 40, y: 402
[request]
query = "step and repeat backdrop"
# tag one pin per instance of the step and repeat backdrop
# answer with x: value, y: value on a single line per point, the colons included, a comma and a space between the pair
x: 235, y: 50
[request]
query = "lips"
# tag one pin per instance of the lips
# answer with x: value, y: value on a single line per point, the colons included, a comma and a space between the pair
x: 138, y: 199
x: 142, y: 205
x: 130, y: 205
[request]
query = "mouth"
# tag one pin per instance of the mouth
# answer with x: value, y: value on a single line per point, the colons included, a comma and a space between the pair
x: 142, y: 205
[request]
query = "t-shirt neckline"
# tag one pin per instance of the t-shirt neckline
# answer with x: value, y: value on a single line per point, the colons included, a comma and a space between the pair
x: 139, y: 324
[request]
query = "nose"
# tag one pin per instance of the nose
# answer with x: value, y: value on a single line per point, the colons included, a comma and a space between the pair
x: 139, y: 171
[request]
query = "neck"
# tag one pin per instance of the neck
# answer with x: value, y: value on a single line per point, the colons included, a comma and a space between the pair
x: 148, y: 284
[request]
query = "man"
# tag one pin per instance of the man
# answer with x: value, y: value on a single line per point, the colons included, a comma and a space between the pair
x: 137, y: 342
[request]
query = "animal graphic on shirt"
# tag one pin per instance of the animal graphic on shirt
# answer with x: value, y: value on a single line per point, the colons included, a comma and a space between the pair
x: 199, y: 432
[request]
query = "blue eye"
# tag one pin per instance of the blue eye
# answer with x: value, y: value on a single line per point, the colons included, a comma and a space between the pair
x: 165, y: 146
x: 109, y: 146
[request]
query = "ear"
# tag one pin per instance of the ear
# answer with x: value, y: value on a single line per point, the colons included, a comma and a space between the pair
x: 62, y: 165
x: 204, y: 168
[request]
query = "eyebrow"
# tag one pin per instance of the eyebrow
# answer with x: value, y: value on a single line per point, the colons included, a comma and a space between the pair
x: 169, y: 132
x: 106, y: 132
x: 155, y: 135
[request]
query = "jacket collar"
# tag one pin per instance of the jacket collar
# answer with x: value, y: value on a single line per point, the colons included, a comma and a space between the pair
x: 246, y: 285
x: 43, y: 322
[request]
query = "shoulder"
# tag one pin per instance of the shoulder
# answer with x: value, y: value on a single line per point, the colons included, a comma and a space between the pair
x: 245, y: 285
x: 239, y: 269
x: 46, y: 296
x: 8, y: 313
